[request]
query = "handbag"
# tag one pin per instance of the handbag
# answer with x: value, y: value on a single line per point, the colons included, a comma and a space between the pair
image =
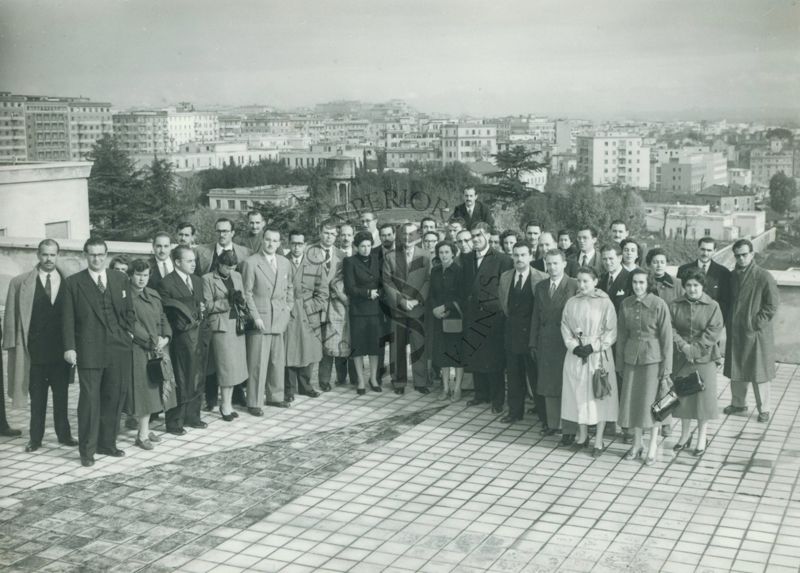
x: 600, y: 385
x: 688, y: 385
x: 244, y: 323
x: 664, y: 405
x: 453, y: 325
x: 160, y: 372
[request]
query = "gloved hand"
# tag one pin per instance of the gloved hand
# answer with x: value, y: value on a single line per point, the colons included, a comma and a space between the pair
x: 583, y: 351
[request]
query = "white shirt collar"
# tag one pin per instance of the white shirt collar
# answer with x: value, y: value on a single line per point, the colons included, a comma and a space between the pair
x: 160, y: 265
x: 102, y: 274
x: 181, y: 274
x: 481, y: 254
x: 557, y: 281
x: 524, y: 274
x: 220, y: 248
x: 55, y: 281
x: 613, y: 276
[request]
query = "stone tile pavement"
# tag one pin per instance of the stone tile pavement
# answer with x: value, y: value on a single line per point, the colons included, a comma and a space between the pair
x: 406, y: 483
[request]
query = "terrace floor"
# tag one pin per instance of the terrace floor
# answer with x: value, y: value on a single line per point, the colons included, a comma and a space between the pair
x: 405, y: 483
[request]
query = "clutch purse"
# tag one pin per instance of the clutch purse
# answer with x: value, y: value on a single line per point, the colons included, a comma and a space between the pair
x: 600, y: 386
x: 688, y: 385
x: 664, y: 405
x: 452, y: 325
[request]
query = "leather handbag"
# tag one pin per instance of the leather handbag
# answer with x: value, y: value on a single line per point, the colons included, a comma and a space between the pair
x: 160, y: 372
x: 688, y: 385
x: 453, y: 325
x: 600, y: 385
x: 664, y: 405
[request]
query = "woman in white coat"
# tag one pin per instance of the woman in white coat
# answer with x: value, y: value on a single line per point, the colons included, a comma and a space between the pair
x: 589, y: 329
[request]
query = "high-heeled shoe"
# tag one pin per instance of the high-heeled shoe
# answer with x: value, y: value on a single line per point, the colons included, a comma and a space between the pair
x: 226, y: 417
x: 698, y: 452
x: 374, y: 388
x: 361, y: 391
x: 683, y: 446
x: 597, y: 452
x: 634, y: 453
x: 576, y: 445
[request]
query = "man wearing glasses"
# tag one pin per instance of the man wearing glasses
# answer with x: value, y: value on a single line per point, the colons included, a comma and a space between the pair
x: 369, y: 222
x: 750, y: 349
x: 207, y: 254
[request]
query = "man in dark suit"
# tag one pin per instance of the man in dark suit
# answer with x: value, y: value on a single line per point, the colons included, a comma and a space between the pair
x: 160, y: 262
x: 615, y: 281
x: 516, y: 288
x: 406, y: 274
x: 33, y: 314
x: 472, y: 211
x: 207, y: 254
x: 97, y: 328
x: 182, y: 296
x: 546, y: 243
x: 587, y: 255
x: 483, y: 339
x: 254, y: 239
x: 386, y: 233
x: 718, y: 277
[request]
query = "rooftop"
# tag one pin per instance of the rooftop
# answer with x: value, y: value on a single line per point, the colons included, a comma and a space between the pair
x: 405, y: 483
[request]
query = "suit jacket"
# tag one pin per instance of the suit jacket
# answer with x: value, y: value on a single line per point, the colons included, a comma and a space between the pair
x: 16, y: 326
x: 217, y: 301
x: 85, y: 326
x: 172, y: 289
x: 407, y: 281
x: 718, y: 284
x: 310, y: 283
x: 155, y: 274
x: 252, y: 243
x: 507, y: 280
x: 573, y: 264
x: 480, y: 213
x: 205, y: 256
x: 315, y: 254
x: 618, y: 290
x: 269, y: 294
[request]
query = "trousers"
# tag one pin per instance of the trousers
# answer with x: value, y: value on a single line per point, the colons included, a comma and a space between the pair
x: 54, y: 377
x: 760, y: 391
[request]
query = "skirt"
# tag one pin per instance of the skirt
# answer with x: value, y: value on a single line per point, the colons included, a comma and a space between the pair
x: 446, y: 349
x: 639, y: 389
x: 703, y: 405
x: 229, y: 355
x: 366, y: 333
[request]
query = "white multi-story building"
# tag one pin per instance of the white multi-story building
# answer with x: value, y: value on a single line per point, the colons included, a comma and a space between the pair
x: 191, y: 126
x: 212, y: 155
x: 766, y: 162
x: 88, y: 122
x: 612, y: 159
x: 13, y: 142
x: 468, y: 142
x: 143, y: 133
x: 740, y: 176
x: 692, y: 172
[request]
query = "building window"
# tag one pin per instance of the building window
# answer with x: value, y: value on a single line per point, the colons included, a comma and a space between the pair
x: 232, y: 204
x: 707, y: 232
x: 243, y: 205
x: 58, y: 230
x: 219, y: 203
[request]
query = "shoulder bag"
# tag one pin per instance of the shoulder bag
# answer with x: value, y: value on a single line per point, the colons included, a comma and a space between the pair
x: 600, y: 385
x: 688, y: 385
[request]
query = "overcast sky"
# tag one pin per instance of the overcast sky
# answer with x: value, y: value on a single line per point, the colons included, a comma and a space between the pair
x: 587, y: 58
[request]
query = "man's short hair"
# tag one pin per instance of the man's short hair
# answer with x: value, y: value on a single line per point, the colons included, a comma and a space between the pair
x: 177, y: 252
x: 707, y: 240
x: 48, y: 243
x: 742, y: 243
x: 161, y: 234
x: 294, y: 233
x: 564, y: 233
x: 532, y: 223
x: 223, y: 220
x: 429, y: 233
x: 611, y: 247
x: 483, y: 227
x: 255, y: 213
x: 431, y: 219
x: 329, y: 224
x: 271, y: 230
x: 591, y: 230
x: 185, y: 224
x: 556, y: 253
x: 523, y: 245
x: 459, y: 221
x: 383, y: 226
x: 506, y: 234
x: 94, y: 242
x: 120, y: 260
x: 467, y: 188
x: 341, y: 225
x: 618, y: 222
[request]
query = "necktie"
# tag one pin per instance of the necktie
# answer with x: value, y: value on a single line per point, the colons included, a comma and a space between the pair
x: 48, y: 288
x: 189, y: 284
x: 164, y: 271
x: 273, y: 264
x: 519, y: 281
x: 101, y: 287
x: 583, y: 260
x: 552, y: 288
x: 705, y: 268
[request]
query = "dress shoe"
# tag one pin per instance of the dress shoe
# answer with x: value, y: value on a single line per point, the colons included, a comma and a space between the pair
x: 313, y: 394
x: 763, y: 417
x: 326, y: 387
x: 338, y: 383
x: 210, y: 406
x: 72, y: 442
x: 9, y: 433
x: 176, y: 431
x: 399, y: 391
x: 153, y: 438
x: 144, y: 444
x: 256, y: 411
x: 497, y: 409
x: 289, y: 398
x: 87, y: 461
x: 283, y: 404
x: 226, y: 417
x: 546, y: 431
x: 475, y: 402
x: 423, y: 390
x: 650, y: 460
x: 597, y: 452
x: 699, y: 452
x: 566, y: 440
x: 375, y: 387
x: 199, y: 425
x: 510, y: 419
x: 734, y: 409
x: 682, y: 446
x: 113, y: 452
x: 361, y: 391
x: 32, y: 447
x: 234, y: 413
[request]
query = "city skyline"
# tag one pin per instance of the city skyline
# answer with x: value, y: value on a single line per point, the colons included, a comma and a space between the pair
x: 630, y: 59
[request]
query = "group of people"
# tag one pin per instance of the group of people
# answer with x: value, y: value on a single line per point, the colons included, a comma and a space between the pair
x: 583, y: 331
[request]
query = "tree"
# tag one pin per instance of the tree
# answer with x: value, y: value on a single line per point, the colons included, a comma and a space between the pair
x: 512, y: 164
x: 624, y: 203
x: 782, y: 191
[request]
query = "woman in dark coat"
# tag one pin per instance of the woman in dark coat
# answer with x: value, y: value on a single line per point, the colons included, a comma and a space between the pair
x: 151, y: 334
x: 696, y: 328
x: 446, y: 302
x: 362, y: 284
